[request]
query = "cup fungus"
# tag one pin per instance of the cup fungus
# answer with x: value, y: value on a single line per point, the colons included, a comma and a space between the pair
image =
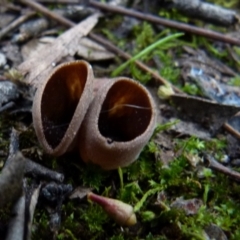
x: 109, y: 121
x: 60, y: 105
x: 120, y: 121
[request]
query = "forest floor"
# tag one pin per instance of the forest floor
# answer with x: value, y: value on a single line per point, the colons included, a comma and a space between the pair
x: 184, y: 184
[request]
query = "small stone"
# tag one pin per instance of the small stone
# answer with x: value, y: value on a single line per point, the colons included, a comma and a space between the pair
x: 225, y: 159
x: 190, y: 206
x: 3, y: 60
x: 235, y: 162
x: 215, y: 232
x: 8, y: 92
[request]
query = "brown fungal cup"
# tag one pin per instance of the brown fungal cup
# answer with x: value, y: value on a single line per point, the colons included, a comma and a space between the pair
x: 120, y: 121
x: 60, y: 105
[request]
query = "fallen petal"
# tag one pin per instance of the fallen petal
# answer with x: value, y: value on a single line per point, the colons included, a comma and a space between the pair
x: 121, y: 212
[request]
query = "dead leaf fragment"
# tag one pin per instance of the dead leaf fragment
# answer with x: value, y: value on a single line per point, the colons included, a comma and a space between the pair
x: 92, y: 51
x: 209, y: 113
x: 35, y: 46
x: 37, y: 68
x: 80, y: 193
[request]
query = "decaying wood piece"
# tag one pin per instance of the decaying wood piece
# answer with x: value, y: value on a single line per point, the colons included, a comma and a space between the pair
x: 11, y: 180
x: 31, y: 202
x: 31, y: 29
x: 21, y: 223
x: 207, y: 11
x: 16, y: 23
x: 16, y: 226
x: 37, y: 68
x: 31, y: 168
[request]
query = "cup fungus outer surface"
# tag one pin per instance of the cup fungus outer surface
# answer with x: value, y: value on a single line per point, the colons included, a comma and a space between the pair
x: 60, y: 105
x: 120, y: 121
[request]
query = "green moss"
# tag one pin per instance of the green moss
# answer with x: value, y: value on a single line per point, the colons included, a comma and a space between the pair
x: 41, y: 225
x: 235, y: 81
x: 119, y: 237
x: 141, y: 183
x: 191, y: 89
x: 226, y: 4
x: 93, y: 176
x: 144, y: 35
x: 94, y: 219
x: 5, y: 213
x: 173, y: 14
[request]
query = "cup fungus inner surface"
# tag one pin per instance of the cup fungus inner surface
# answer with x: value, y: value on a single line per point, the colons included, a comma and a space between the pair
x: 60, y: 99
x: 126, y: 112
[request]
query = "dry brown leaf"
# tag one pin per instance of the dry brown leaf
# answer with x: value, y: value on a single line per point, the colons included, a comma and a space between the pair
x: 88, y: 49
x: 33, y: 47
x: 92, y: 51
x: 37, y: 68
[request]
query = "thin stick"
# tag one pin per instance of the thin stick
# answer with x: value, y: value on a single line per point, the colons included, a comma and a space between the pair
x: 62, y: 1
x: 38, y: 171
x: 98, y: 39
x: 220, y: 168
x: 15, y: 23
x: 46, y: 12
x: 158, y: 20
x: 231, y: 130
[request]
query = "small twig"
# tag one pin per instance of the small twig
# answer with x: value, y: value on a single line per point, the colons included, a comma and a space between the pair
x: 63, y: 1
x: 7, y: 106
x: 220, y: 168
x: 10, y: 7
x: 46, y: 12
x: 231, y: 130
x: 36, y: 170
x: 158, y: 20
x: 15, y: 23
x: 98, y: 39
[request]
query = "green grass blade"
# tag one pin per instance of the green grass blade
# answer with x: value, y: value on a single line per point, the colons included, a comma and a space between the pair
x: 145, y: 51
